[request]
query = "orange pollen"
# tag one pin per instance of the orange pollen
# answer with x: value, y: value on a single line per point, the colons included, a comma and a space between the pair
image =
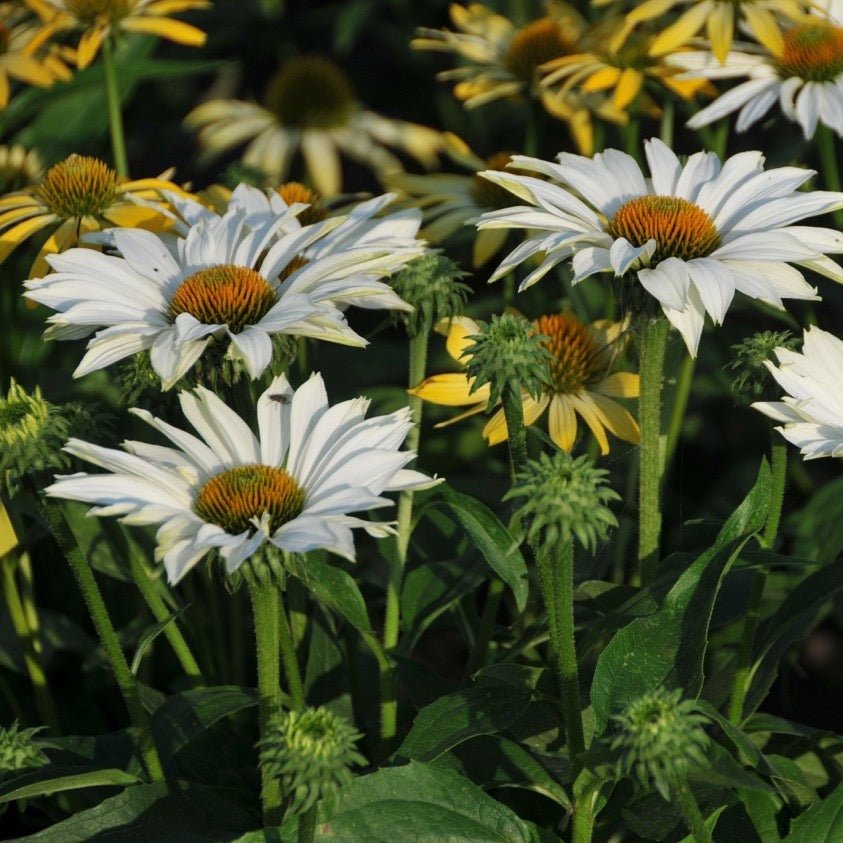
x: 533, y: 45
x: 293, y: 191
x: 812, y: 51
x: 578, y: 358
x: 79, y: 186
x: 680, y: 228
x: 236, y: 496
x: 235, y: 296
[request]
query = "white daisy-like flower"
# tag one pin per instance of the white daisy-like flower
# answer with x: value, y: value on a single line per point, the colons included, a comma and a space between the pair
x: 693, y: 235
x: 292, y: 486
x: 812, y: 410
x: 224, y: 281
x: 804, y: 75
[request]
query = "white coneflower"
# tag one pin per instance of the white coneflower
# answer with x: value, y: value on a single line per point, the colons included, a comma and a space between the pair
x: 292, y: 486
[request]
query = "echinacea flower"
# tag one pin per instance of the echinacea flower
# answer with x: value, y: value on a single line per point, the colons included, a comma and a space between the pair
x: 805, y: 77
x: 502, y: 61
x: 224, y: 281
x: 762, y: 18
x: 811, y: 411
x: 293, y: 486
x: 449, y: 200
x: 690, y: 235
x: 581, y: 382
x: 310, y: 105
x: 74, y: 197
x: 99, y: 19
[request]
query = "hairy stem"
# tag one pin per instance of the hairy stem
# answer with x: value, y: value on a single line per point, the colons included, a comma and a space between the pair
x: 827, y: 148
x: 691, y: 814
x: 115, y: 111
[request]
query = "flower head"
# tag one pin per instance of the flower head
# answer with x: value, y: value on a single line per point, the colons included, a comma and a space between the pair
x: 293, y: 486
x: 76, y: 196
x: 310, y: 752
x: 660, y: 738
x: 309, y: 104
x: 690, y: 236
x: 564, y: 499
x: 18, y: 750
x: 578, y: 381
x: 811, y: 411
x: 100, y: 19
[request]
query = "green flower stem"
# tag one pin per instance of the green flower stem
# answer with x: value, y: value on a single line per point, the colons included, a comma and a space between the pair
x: 632, y: 138
x: 680, y: 405
x: 30, y: 642
x: 556, y: 576
x: 666, y: 123
x: 291, y: 662
x: 533, y: 129
x: 307, y: 826
x: 143, y: 580
x: 743, y: 671
x: 398, y: 558
x: 651, y: 368
x: 55, y: 520
x: 691, y: 814
x: 516, y: 432
x: 115, y: 112
x: 827, y: 148
x: 583, y: 821
x: 266, y: 611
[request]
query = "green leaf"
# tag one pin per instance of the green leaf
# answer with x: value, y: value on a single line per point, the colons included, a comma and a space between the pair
x: 818, y: 527
x: 789, y: 624
x: 54, y: 779
x: 493, y: 540
x: 151, y: 634
x: 668, y: 647
x: 762, y: 809
x: 821, y: 824
x: 183, y: 716
x: 431, y: 803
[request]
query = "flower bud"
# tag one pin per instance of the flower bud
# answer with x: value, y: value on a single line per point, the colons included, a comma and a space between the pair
x: 18, y: 750
x: 751, y: 379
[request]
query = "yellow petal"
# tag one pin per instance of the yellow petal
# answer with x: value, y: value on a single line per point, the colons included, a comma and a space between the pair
x: 88, y: 46
x: 135, y: 216
x: 450, y: 390
x: 27, y: 69
x: 63, y: 237
x: 583, y: 404
x: 495, y: 430
x: 8, y: 537
x: 461, y: 328
x: 16, y: 235
x: 764, y: 27
x: 628, y: 87
x: 648, y: 10
x: 617, y: 419
x: 605, y: 78
x: 562, y: 422
x: 721, y: 30
x: 322, y: 161
x: 5, y: 91
x: 172, y: 30
x: 582, y: 131
x: 619, y: 385
x: 680, y: 32
x: 17, y: 214
x: 459, y: 417
x: 487, y: 243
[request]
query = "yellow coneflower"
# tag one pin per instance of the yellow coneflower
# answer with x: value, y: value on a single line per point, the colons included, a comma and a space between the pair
x: 98, y: 19
x: 582, y: 383
x: 19, y: 168
x: 310, y: 104
x: 77, y: 196
x: 503, y: 61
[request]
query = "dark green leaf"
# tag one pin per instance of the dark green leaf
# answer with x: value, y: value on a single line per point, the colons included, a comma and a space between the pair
x: 53, y: 779
x: 151, y: 634
x: 818, y: 527
x: 821, y: 824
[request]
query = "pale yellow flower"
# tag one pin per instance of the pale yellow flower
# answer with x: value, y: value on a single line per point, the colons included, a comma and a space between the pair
x: 19, y: 167
x: 310, y: 105
x: 582, y: 382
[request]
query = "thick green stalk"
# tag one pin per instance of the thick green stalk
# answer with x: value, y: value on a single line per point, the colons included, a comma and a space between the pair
x: 160, y: 612
x: 115, y: 111
x: 516, y: 432
x: 743, y: 671
x: 28, y: 638
x: 653, y: 341
x: 583, y: 823
x: 666, y: 124
x: 55, y: 520
x: 691, y: 814
x: 266, y: 610
x: 827, y: 148
x: 398, y: 558
x: 556, y: 575
x: 307, y: 826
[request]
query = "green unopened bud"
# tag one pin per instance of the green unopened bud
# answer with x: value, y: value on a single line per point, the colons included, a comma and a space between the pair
x: 751, y: 380
x: 18, y: 750
x: 508, y: 350
x: 310, y: 752
x: 239, y: 173
x: 660, y: 739
x: 431, y: 284
x: 564, y: 498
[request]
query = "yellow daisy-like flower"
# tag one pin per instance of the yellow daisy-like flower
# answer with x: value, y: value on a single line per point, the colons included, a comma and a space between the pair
x: 74, y: 197
x: 310, y: 105
x: 99, y: 19
x: 20, y: 57
x: 449, y: 200
x: 503, y: 61
x: 19, y: 168
x: 582, y: 384
x: 621, y: 65
x: 719, y: 19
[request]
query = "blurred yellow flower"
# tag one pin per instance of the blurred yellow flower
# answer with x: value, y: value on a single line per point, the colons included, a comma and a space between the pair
x: 19, y: 168
x: 310, y: 104
x: 582, y: 385
x: 449, y: 200
x: 762, y: 18
x: 503, y: 61
x: 98, y: 19
x: 74, y: 197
